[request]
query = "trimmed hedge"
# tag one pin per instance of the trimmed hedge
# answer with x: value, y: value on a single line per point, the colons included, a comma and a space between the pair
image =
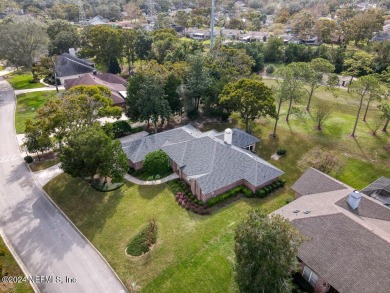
x: 263, y: 192
x: 229, y: 194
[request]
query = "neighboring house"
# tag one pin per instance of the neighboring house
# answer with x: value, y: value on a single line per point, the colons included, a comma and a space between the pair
x: 347, y: 246
x: 379, y: 189
x: 198, y: 34
x: 311, y: 40
x: 115, y: 83
x: 381, y: 37
x: 97, y: 20
x: 211, y: 162
x: 290, y: 39
x: 70, y: 67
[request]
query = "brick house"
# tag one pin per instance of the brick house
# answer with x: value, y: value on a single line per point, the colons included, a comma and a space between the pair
x: 211, y: 162
x: 115, y: 83
x: 347, y: 246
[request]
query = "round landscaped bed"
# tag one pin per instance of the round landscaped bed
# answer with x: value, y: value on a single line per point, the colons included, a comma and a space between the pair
x: 144, y: 240
x: 105, y: 187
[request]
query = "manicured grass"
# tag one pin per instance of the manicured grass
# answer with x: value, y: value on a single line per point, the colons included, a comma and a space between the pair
x: 193, y: 253
x: 27, y: 106
x: 9, y: 267
x: 366, y: 157
x: 41, y: 165
x: 23, y: 80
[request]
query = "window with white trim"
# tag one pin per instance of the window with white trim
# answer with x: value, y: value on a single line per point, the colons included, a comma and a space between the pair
x: 310, y: 276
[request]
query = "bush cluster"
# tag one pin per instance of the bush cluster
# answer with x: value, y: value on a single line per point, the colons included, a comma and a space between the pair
x: 281, y: 151
x: 229, y: 194
x: 156, y: 163
x: 28, y: 159
x: 263, y: 192
x: 118, y: 128
x: 186, y: 199
x: 142, y: 242
x: 270, y: 69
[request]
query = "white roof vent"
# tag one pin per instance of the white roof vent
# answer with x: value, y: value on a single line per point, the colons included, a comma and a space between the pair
x: 354, y: 199
x: 72, y: 52
x: 228, y: 136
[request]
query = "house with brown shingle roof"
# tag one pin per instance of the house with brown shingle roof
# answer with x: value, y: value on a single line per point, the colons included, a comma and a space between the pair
x: 347, y: 247
x: 115, y: 83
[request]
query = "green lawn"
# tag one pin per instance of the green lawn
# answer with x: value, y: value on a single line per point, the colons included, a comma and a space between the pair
x: 366, y: 157
x: 27, y: 106
x: 41, y: 165
x: 9, y: 267
x: 22, y: 80
x: 193, y: 253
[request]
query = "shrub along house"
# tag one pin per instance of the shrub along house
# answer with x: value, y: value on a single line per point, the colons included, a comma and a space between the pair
x: 211, y: 162
x: 347, y: 246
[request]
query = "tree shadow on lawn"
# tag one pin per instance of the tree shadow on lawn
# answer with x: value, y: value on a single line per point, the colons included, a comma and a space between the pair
x: 87, y: 208
x: 150, y: 191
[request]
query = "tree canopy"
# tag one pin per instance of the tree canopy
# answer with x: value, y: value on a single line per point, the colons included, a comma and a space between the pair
x: 22, y: 40
x: 250, y: 97
x: 266, y: 251
x: 89, y: 151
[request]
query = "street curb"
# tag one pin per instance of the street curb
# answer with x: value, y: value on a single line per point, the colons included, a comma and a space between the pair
x: 73, y: 225
x: 6, y: 241
x: 61, y: 212
x: 18, y: 261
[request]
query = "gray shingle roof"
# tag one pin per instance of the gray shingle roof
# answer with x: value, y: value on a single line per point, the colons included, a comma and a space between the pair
x: 350, y: 257
x: 136, y: 150
x: 205, y: 157
x: 216, y: 164
x: 68, y: 65
x: 379, y: 189
x: 314, y: 181
x: 240, y: 139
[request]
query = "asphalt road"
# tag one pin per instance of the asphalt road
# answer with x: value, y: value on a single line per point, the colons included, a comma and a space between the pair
x: 45, y: 242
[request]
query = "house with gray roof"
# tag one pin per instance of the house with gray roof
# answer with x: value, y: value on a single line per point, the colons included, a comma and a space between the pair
x: 71, y: 67
x: 379, y: 189
x: 211, y: 162
x: 347, y: 246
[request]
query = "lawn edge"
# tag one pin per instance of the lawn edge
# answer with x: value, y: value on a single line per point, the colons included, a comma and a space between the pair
x: 74, y: 226
x: 18, y: 260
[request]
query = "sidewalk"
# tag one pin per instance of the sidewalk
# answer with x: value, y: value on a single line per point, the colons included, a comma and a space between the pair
x: 7, y: 70
x: 48, y: 174
x: 41, y: 89
x: 137, y: 181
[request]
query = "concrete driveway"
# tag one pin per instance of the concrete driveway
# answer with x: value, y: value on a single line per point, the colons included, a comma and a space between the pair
x: 44, y: 242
